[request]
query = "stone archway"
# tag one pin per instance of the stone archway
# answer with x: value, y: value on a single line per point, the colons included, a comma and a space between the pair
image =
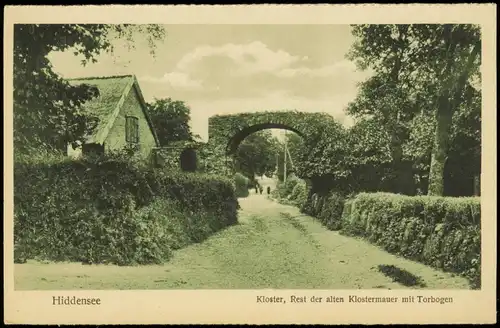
x: 226, y: 132
x: 230, y: 130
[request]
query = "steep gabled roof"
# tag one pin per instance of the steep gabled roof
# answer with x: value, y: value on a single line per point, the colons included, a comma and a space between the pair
x: 113, y: 91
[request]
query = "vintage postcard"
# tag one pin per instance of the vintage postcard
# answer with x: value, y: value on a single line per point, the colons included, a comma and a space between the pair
x: 262, y: 164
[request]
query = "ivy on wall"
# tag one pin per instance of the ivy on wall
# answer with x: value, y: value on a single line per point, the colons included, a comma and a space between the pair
x: 320, y: 131
x: 170, y: 156
x: 323, y: 152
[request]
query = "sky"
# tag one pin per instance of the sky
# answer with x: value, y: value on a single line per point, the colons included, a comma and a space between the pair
x: 224, y: 69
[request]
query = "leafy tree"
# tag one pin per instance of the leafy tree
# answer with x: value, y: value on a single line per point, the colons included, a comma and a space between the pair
x: 322, y: 157
x: 171, y: 120
x: 418, y: 70
x: 47, y: 110
x: 256, y: 155
x: 369, y: 160
x: 464, y: 155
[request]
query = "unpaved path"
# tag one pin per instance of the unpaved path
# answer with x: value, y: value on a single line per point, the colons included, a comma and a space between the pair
x: 273, y: 246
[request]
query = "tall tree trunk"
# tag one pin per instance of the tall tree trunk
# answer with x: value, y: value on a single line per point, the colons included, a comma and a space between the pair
x: 447, y: 104
x: 440, y: 147
x: 399, y: 182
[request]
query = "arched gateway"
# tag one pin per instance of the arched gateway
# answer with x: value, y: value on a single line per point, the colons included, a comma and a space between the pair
x: 226, y: 132
x: 229, y: 131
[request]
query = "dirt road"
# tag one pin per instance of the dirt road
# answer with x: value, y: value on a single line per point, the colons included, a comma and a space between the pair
x: 273, y: 246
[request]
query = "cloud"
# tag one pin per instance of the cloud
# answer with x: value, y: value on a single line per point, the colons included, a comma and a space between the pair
x: 340, y: 68
x: 211, y: 67
x: 252, y: 70
x: 176, y: 80
x: 250, y: 58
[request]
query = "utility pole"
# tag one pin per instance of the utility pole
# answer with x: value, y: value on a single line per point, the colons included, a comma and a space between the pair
x: 284, y: 163
x: 277, y: 162
x: 289, y: 157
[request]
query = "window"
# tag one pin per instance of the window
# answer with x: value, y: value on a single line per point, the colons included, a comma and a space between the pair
x: 132, y: 129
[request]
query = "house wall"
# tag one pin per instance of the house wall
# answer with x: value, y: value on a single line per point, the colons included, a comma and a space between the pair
x: 116, y: 137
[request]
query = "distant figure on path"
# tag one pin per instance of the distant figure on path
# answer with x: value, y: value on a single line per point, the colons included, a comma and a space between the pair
x: 261, y: 189
x: 268, y: 190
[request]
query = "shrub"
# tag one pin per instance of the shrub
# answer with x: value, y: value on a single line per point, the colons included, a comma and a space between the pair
x: 443, y: 232
x: 288, y: 186
x: 284, y: 190
x: 241, y: 183
x: 307, y: 208
x: 331, y: 212
x: 314, y: 204
x: 107, y: 210
x: 299, y: 194
x: 292, y: 192
x: 39, y: 154
x: 196, y: 192
x: 280, y: 190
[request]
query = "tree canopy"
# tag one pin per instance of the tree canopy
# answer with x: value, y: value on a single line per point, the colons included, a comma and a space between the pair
x: 424, y: 84
x: 171, y: 120
x: 256, y: 155
x: 416, y: 117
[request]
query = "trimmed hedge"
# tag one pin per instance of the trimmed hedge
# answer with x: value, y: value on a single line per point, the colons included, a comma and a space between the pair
x: 110, y: 211
x: 442, y: 232
x: 330, y: 213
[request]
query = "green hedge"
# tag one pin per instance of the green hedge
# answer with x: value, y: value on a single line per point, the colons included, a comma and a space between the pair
x: 279, y: 191
x: 314, y: 204
x: 330, y: 213
x: 110, y: 211
x: 284, y: 189
x: 292, y: 192
x: 289, y: 184
x: 442, y: 232
x: 299, y: 194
